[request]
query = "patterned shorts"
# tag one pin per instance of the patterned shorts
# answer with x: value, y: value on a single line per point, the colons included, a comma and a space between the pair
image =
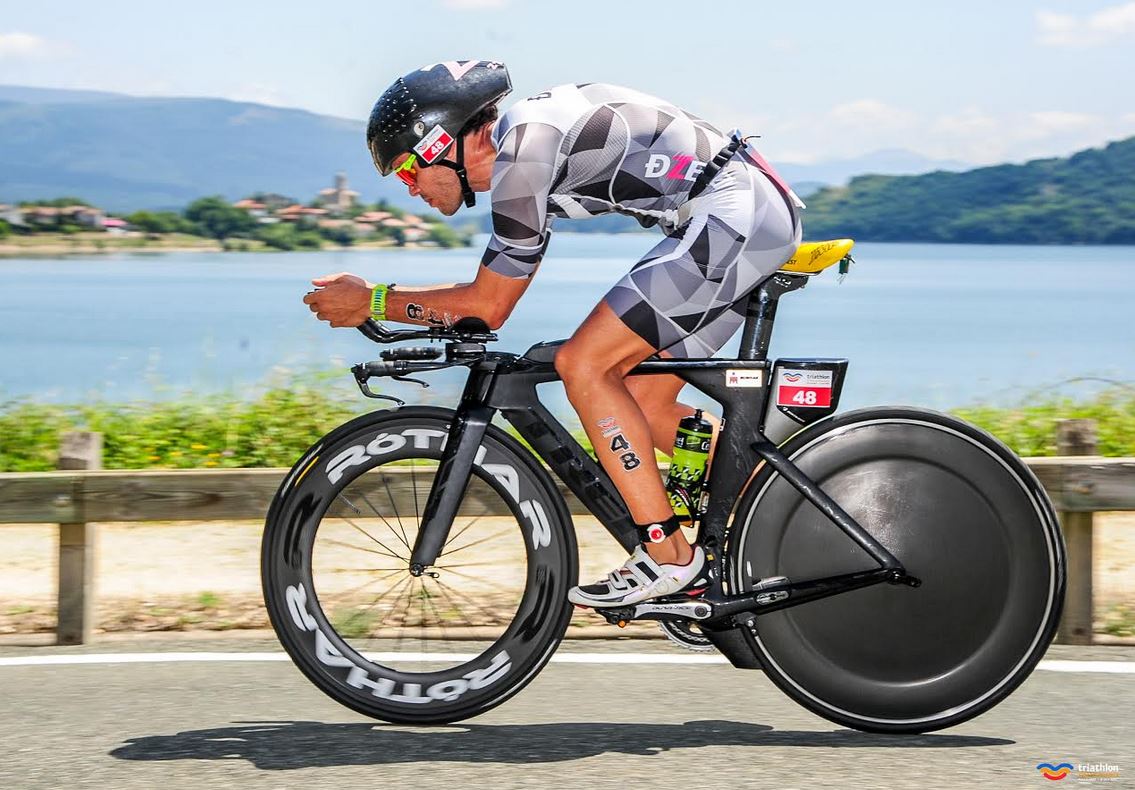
x: 687, y: 296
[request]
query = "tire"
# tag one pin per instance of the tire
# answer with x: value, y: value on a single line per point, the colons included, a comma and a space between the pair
x: 344, y: 508
x: 962, y: 513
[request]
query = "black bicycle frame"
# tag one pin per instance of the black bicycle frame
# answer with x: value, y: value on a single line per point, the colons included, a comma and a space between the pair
x: 507, y: 383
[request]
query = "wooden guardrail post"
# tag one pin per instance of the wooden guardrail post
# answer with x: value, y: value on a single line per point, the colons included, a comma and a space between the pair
x: 81, y: 450
x: 1077, y: 437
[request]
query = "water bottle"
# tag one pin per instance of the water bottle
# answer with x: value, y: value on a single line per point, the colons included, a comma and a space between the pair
x: 686, y: 477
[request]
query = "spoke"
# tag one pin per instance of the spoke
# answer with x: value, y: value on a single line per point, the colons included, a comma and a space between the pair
x: 388, y: 524
x: 443, y: 588
x: 377, y: 513
x: 483, y: 580
x: 344, y: 593
x: 393, y: 506
x: 376, y: 540
x: 400, y: 586
x: 345, y: 545
x: 414, y: 484
x: 477, y: 542
x: 421, y: 615
x: 465, y: 565
x: 460, y: 532
x: 369, y: 570
x: 350, y: 504
x: 437, y: 614
x: 402, y: 537
x: 487, y: 612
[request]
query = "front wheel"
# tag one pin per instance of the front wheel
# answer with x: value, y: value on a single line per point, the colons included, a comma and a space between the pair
x: 430, y: 648
x: 962, y: 513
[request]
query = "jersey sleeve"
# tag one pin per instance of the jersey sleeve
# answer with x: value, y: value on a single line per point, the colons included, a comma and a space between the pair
x: 522, y: 181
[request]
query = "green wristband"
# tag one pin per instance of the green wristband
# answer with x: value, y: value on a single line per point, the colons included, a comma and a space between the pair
x: 378, y: 302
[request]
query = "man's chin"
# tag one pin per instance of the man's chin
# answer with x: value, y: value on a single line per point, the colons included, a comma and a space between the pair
x: 449, y: 211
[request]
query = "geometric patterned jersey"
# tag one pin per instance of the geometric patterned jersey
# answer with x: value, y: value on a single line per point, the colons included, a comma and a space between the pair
x: 582, y: 150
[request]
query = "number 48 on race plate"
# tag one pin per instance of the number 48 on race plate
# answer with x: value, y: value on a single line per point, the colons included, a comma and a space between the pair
x: 807, y: 388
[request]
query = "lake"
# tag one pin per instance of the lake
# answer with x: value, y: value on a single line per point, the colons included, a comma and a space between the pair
x: 932, y: 325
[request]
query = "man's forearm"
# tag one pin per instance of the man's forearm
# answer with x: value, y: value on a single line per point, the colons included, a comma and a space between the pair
x: 433, y: 305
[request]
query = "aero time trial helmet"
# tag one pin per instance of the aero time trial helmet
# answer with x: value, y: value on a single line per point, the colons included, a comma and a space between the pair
x: 426, y: 111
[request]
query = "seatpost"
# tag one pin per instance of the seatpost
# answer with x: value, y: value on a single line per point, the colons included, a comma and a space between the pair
x: 760, y: 313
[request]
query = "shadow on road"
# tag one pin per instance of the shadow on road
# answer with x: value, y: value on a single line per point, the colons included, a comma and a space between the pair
x: 307, y: 744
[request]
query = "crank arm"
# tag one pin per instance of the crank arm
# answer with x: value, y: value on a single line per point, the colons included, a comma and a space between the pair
x: 652, y: 610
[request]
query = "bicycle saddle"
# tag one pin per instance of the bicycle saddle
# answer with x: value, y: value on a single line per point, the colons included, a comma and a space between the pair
x: 815, y: 256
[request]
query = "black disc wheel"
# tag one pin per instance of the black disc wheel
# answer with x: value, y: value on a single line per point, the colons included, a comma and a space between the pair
x: 961, y: 513
x: 412, y: 645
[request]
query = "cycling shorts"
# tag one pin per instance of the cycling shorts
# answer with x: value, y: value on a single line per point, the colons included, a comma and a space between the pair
x: 687, y: 296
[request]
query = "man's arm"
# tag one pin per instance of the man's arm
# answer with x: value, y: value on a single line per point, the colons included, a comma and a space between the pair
x: 344, y: 300
x: 490, y: 297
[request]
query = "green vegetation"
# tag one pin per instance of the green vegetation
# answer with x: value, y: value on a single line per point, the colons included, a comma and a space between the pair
x: 285, y: 236
x: 278, y: 426
x: 1088, y: 198
x: 5, y: 229
x: 221, y: 431
x: 216, y: 218
x: 1030, y: 430
x: 160, y: 222
x: 1119, y: 620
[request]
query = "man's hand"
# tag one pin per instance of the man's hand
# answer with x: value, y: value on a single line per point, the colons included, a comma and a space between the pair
x: 341, y: 299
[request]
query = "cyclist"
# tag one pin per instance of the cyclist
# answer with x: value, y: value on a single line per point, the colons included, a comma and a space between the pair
x: 577, y: 151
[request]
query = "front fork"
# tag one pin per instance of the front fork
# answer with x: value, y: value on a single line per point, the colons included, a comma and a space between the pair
x: 458, y: 455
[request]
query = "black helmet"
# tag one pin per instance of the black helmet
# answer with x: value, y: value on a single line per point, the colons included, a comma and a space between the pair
x: 427, y: 110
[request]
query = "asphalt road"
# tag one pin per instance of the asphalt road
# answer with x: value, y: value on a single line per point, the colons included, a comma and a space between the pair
x: 260, y: 724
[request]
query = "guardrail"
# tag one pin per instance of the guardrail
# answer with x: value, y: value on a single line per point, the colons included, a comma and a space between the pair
x: 81, y: 495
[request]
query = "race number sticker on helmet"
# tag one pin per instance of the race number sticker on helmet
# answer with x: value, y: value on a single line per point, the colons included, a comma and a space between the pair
x: 433, y: 144
x: 804, y: 388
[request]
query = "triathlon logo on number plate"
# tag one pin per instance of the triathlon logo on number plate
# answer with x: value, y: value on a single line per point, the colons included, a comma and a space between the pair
x: 806, y: 388
x: 433, y: 144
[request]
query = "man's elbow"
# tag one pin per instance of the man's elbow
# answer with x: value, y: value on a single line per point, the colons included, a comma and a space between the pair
x: 497, y: 317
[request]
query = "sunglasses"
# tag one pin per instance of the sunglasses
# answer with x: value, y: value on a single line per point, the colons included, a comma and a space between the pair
x: 406, y: 173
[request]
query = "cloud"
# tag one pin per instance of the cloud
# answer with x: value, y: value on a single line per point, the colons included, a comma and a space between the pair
x: 870, y: 113
x: 1102, y: 27
x: 260, y: 93
x: 972, y: 134
x: 23, y: 45
x: 474, y: 5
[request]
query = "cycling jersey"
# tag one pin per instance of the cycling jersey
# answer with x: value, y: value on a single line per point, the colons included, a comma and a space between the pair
x: 581, y: 150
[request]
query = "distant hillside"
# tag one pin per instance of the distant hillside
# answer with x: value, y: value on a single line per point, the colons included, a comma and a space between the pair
x: 1087, y: 198
x: 886, y: 162
x: 128, y: 153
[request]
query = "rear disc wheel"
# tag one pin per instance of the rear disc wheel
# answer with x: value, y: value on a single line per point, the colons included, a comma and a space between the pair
x: 962, y: 513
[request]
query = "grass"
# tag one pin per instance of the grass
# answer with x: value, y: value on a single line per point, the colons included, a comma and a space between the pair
x: 275, y: 428
x: 208, y: 600
x: 1119, y: 620
x: 352, y: 624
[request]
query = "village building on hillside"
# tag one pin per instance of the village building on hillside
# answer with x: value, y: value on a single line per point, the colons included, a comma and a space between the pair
x: 338, y: 199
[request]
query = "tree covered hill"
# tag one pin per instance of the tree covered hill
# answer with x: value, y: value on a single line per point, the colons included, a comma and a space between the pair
x: 125, y: 153
x: 1087, y: 198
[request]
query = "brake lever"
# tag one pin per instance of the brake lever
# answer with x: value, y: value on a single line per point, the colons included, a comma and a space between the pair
x: 364, y: 386
x: 410, y: 380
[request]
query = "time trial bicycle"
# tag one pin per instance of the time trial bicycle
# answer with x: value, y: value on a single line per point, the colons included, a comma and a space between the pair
x: 892, y: 569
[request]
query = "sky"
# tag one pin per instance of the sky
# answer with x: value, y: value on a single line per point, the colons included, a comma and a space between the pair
x: 975, y: 82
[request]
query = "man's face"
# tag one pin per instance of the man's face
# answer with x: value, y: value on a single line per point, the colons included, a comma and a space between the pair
x: 436, y: 185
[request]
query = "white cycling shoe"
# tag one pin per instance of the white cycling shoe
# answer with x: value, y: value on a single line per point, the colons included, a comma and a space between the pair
x: 640, y: 579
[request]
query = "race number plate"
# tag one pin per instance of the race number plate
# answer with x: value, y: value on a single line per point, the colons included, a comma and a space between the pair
x: 804, y: 388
